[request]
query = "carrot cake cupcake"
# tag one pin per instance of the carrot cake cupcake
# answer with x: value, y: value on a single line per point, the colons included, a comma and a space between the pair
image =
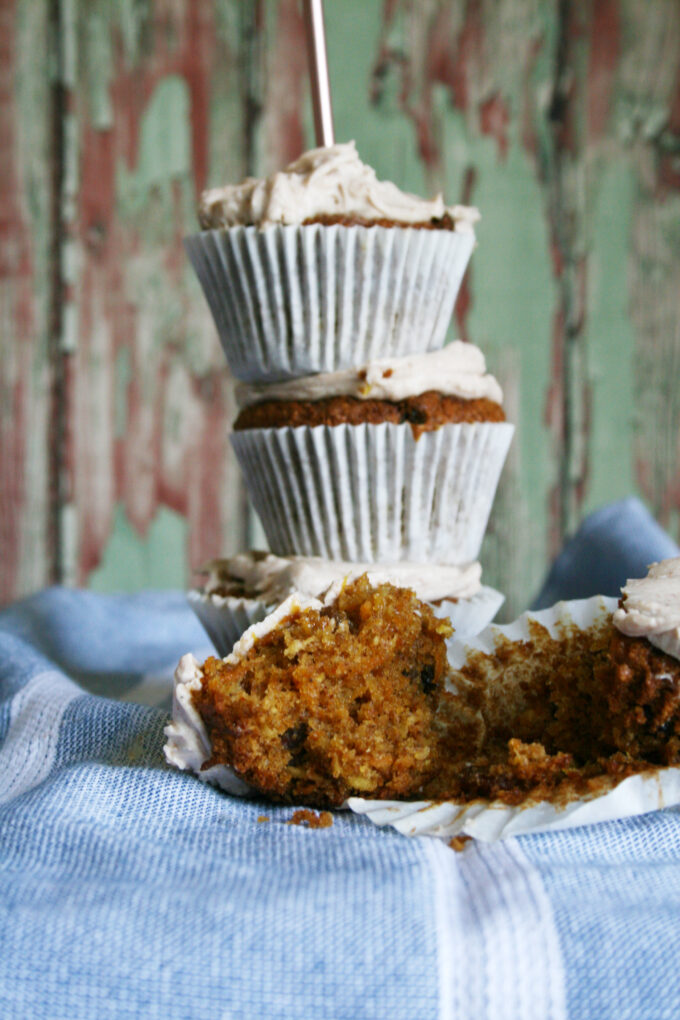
x: 426, y: 390
x: 318, y: 701
x: 321, y: 266
x: 354, y: 696
x: 397, y: 459
x: 645, y: 651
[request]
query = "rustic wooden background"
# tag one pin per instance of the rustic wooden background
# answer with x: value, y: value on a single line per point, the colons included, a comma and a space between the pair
x: 560, y: 119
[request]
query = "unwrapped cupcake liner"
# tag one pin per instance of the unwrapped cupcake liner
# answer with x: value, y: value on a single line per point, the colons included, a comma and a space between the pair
x: 373, y: 493
x: 469, y: 616
x: 653, y: 790
x: 294, y: 300
x: 492, y: 820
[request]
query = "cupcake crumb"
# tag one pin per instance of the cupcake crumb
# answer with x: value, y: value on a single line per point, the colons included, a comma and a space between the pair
x: 263, y: 818
x: 310, y: 819
x: 458, y: 843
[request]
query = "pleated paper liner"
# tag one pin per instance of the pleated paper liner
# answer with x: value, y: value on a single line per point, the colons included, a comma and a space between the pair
x: 373, y: 493
x: 293, y: 300
x: 469, y: 616
x: 225, y: 618
x: 488, y: 820
x: 647, y: 791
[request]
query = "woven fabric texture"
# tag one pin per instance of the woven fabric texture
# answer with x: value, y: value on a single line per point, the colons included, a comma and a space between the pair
x: 131, y: 890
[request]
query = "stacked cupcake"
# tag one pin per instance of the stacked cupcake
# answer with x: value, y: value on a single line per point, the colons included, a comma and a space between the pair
x: 366, y: 444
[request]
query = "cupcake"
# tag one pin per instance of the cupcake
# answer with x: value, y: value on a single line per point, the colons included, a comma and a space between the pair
x: 538, y: 724
x: 318, y: 701
x: 321, y: 266
x: 644, y: 697
x: 243, y: 589
x: 396, y: 460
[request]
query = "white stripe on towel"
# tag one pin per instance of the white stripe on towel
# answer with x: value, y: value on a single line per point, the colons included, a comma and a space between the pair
x: 28, y: 752
x: 497, y: 944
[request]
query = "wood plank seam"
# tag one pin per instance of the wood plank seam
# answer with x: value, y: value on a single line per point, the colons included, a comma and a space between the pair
x: 58, y: 409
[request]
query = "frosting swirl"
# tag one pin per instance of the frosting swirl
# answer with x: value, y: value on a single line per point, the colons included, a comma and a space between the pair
x: 328, y: 181
x: 459, y: 370
x: 651, y: 607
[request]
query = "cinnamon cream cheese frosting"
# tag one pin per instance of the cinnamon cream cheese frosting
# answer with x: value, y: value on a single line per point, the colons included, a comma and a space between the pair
x: 328, y: 181
x: 459, y: 370
x: 272, y: 578
x: 651, y: 607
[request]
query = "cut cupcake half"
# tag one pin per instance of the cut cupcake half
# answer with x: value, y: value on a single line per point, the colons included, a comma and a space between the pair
x: 319, y: 700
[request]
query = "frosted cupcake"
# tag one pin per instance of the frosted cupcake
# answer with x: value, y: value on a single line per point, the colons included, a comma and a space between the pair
x: 645, y: 700
x: 243, y: 589
x: 321, y: 266
x: 396, y: 460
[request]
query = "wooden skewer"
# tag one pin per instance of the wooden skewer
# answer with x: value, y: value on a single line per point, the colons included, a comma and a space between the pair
x: 318, y: 72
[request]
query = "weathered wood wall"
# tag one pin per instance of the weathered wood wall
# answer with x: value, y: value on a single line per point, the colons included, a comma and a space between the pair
x: 560, y: 119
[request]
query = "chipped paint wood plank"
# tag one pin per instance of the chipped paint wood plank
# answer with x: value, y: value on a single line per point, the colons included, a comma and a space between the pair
x: 473, y: 80
x: 24, y: 297
x: 151, y: 399
x: 561, y: 120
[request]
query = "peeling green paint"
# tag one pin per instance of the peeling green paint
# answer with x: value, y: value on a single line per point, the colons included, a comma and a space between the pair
x: 385, y: 137
x: 101, y: 26
x: 164, y: 157
x: 226, y: 112
x: 514, y: 296
x: 27, y: 355
x: 131, y: 562
x: 610, y: 339
x: 97, y: 42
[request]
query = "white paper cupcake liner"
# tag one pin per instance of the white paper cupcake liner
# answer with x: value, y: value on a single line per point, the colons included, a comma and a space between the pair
x: 373, y: 493
x: 489, y: 821
x: 648, y: 791
x: 293, y: 300
x: 469, y: 616
x: 225, y: 618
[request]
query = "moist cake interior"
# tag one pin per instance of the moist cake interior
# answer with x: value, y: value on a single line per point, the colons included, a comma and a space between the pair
x: 357, y: 699
x: 560, y: 717
x: 333, y: 702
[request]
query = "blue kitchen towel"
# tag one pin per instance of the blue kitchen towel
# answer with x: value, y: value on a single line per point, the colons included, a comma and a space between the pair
x: 129, y: 890
x: 616, y: 542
